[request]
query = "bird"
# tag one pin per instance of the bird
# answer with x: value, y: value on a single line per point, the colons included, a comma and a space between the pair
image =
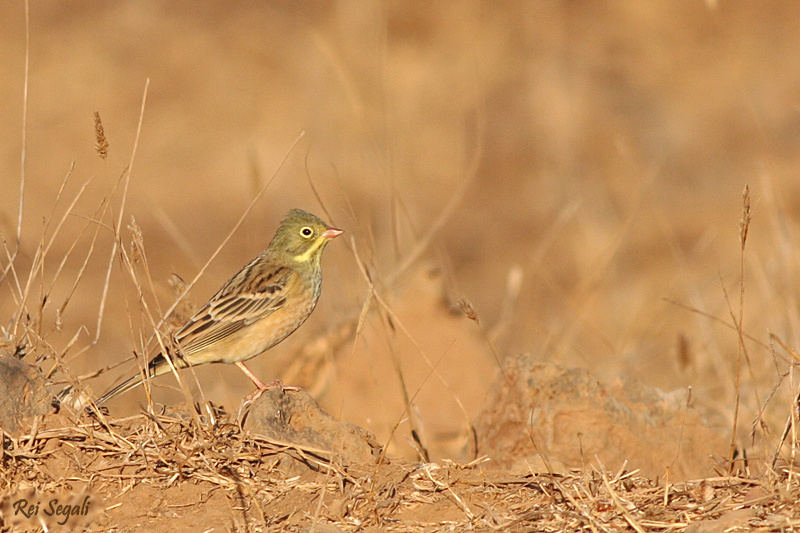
x: 261, y: 305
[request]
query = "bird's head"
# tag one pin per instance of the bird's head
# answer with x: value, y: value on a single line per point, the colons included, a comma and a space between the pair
x: 301, y: 237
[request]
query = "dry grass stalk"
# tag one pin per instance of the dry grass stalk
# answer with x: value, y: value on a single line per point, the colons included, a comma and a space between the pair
x: 744, y: 227
x: 392, y: 320
x: 469, y: 311
x: 24, y: 140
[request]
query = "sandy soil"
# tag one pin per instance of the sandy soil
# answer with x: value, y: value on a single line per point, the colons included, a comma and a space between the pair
x: 559, y: 180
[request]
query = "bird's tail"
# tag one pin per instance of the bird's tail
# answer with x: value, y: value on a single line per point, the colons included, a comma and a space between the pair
x: 66, y: 396
x: 125, y: 386
x: 158, y: 365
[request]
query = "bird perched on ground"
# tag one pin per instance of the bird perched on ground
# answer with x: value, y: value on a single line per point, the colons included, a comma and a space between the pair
x: 266, y: 301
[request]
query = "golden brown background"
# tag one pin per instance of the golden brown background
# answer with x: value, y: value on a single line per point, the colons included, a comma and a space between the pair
x: 604, y: 147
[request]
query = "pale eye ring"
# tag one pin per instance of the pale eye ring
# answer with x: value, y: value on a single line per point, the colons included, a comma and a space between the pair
x: 306, y: 231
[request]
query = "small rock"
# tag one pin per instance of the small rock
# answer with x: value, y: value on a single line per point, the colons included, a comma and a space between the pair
x: 567, y: 415
x: 294, y: 417
x: 22, y: 392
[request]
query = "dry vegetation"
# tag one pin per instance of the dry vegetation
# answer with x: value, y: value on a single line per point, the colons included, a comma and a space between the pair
x: 560, y: 179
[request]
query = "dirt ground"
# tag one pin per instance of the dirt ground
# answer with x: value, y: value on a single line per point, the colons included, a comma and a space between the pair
x: 541, y: 308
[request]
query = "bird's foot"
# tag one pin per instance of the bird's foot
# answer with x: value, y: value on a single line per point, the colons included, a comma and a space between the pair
x: 261, y: 389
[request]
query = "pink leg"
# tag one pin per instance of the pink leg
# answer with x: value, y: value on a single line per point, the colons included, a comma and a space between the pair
x: 257, y: 382
x: 253, y: 396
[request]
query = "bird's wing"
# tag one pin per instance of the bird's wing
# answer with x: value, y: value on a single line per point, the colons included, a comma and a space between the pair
x: 241, y: 302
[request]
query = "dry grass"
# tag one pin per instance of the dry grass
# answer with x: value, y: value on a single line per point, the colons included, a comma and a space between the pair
x: 215, y: 457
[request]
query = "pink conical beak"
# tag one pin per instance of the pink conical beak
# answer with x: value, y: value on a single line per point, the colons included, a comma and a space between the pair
x: 332, y: 233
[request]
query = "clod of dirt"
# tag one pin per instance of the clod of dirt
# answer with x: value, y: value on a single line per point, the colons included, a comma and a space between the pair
x: 22, y: 391
x: 567, y: 415
x: 294, y: 417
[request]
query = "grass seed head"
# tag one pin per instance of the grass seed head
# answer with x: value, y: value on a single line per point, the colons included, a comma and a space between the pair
x: 101, y: 142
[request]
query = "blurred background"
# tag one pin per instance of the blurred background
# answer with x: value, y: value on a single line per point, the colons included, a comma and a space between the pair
x: 574, y: 170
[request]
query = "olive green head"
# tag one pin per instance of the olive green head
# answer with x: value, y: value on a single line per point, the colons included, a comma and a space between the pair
x: 301, y: 237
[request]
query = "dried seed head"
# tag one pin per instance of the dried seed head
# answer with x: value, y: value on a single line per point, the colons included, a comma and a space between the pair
x: 101, y: 143
x: 137, y: 241
x: 744, y: 225
x: 185, y: 309
x: 467, y: 308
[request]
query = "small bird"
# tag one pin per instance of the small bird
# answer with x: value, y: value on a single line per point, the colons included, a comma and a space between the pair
x: 265, y: 302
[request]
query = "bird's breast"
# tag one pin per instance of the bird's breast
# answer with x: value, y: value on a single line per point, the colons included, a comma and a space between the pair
x: 263, y: 334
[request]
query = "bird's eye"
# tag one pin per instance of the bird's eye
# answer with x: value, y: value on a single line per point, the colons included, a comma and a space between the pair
x: 305, y: 231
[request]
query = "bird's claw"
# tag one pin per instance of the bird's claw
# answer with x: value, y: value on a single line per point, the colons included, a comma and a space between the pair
x: 262, y: 388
